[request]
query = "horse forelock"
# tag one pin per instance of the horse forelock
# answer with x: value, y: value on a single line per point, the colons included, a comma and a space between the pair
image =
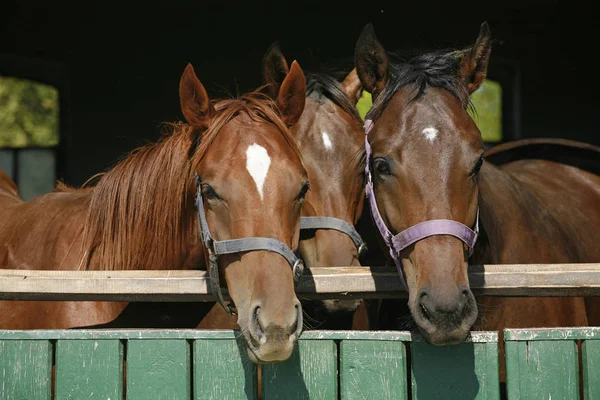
x: 141, y: 213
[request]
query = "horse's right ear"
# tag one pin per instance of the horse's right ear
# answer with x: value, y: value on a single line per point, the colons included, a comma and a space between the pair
x: 371, y: 61
x: 195, y: 103
x: 275, y: 69
x: 292, y: 95
x: 352, y: 86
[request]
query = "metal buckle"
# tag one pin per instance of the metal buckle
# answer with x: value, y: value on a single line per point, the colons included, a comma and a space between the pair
x: 362, y: 249
x: 298, y: 269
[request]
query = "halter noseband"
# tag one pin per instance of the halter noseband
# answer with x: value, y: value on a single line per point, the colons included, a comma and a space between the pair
x: 219, y: 247
x: 314, y: 223
x: 402, y: 240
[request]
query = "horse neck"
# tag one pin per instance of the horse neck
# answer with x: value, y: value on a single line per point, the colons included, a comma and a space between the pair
x: 515, y: 226
x: 141, y: 213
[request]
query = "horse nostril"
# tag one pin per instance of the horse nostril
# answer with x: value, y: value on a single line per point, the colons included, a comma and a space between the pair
x: 423, y: 297
x: 465, y: 293
x: 424, y: 312
x: 296, y: 328
x: 260, y: 334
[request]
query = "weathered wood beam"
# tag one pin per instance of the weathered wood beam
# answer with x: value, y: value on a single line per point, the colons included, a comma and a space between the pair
x: 317, y: 283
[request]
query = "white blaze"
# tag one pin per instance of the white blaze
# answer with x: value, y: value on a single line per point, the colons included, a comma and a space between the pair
x: 326, y: 141
x: 257, y: 164
x: 430, y: 133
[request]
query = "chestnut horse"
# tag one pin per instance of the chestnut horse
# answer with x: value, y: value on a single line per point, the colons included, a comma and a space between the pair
x: 142, y: 215
x: 434, y: 194
x: 330, y: 136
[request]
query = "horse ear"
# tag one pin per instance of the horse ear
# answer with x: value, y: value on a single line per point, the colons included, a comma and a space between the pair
x: 371, y: 61
x: 275, y: 68
x: 292, y: 95
x: 474, y: 62
x: 195, y: 103
x: 352, y: 86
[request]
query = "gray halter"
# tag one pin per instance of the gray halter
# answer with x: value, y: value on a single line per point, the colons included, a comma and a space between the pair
x: 314, y: 223
x: 218, y: 247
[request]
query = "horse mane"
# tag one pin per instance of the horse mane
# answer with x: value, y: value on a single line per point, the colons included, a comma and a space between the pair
x: 322, y: 85
x: 437, y: 69
x: 141, y: 213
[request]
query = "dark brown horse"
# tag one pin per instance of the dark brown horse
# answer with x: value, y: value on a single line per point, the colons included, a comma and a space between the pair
x: 330, y: 136
x: 142, y: 215
x: 427, y: 164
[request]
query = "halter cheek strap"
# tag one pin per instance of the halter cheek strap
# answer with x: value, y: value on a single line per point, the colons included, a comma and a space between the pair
x: 407, y: 237
x: 219, y: 247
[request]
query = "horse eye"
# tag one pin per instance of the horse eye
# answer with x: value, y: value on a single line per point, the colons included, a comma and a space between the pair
x: 303, y: 192
x: 209, y: 192
x: 381, y: 166
x: 477, y: 166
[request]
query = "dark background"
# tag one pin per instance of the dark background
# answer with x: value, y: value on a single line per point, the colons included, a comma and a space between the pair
x: 120, y: 62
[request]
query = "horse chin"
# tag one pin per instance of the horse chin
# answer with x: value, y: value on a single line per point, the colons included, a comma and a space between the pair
x: 443, y: 338
x: 341, y: 306
x: 446, y: 332
x: 255, y: 355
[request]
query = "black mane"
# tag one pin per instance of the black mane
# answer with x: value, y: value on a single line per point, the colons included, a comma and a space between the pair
x: 437, y: 69
x: 319, y: 84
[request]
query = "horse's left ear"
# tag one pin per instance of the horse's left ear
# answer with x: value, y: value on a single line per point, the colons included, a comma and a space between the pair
x: 473, y: 64
x: 275, y: 68
x: 352, y: 86
x: 292, y: 95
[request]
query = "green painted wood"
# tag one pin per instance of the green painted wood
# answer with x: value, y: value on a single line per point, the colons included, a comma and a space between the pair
x: 581, y: 333
x: 222, y: 370
x: 590, y: 354
x: 158, y: 369
x: 89, y: 369
x: 25, y: 369
x: 51, y: 334
x: 463, y: 371
x: 225, y: 334
x: 372, y: 369
x: 545, y: 369
x: 402, y: 336
x: 309, y: 373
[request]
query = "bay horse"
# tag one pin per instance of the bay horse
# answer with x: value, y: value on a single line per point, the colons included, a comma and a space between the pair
x: 439, y: 205
x: 330, y: 136
x: 142, y: 214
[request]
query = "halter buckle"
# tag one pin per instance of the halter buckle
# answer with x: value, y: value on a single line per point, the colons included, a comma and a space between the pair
x: 362, y: 249
x: 298, y: 269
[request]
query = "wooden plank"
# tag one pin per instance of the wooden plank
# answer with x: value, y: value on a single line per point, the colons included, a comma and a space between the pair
x: 590, y: 354
x: 25, y: 369
x: 222, y: 370
x: 221, y: 334
x: 323, y: 282
x: 158, y: 369
x: 463, y: 371
x: 96, y: 334
x: 572, y: 333
x: 372, y: 369
x: 542, y: 369
x: 89, y: 369
x: 309, y: 374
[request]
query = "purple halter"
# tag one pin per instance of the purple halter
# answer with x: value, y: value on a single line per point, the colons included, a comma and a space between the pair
x: 402, y: 240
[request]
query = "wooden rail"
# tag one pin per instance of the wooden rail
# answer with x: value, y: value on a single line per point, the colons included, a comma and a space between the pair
x: 317, y: 283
